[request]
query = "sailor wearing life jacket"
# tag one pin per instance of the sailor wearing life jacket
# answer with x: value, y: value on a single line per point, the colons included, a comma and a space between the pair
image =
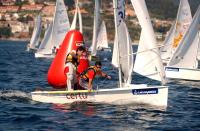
x: 70, y: 72
x: 83, y: 63
x: 77, y: 54
x: 87, y: 77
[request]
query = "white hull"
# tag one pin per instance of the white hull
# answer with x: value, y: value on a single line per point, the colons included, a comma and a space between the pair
x: 141, y: 94
x: 108, y: 49
x: 31, y: 49
x: 182, y: 73
x: 38, y: 55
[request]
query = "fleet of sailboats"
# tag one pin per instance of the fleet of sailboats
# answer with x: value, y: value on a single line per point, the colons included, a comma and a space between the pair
x: 179, y: 54
x: 184, y: 63
x: 58, y: 29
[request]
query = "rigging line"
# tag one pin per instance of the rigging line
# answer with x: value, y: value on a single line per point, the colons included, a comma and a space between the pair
x: 135, y: 53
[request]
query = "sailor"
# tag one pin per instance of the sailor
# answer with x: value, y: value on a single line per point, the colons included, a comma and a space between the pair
x: 83, y: 62
x: 76, y: 54
x: 88, y: 76
x: 70, y: 72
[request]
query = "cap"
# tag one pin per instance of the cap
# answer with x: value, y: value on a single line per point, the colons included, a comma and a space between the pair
x: 69, y: 57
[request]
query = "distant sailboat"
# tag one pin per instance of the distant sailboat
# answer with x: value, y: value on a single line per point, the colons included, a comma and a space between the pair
x: 45, y: 46
x: 35, y: 39
x: 177, y: 31
x: 183, y: 64
x: 99, y: 39
x: 60, y: 27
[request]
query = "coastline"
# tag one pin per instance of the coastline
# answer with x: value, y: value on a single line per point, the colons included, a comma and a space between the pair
x: 14, y: 39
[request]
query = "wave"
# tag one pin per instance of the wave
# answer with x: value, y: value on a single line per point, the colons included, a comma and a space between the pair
x: 14, y: 95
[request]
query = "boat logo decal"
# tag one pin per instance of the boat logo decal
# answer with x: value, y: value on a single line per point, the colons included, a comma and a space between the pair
x: 145, y: 91
x: 172, y: 69
x: 77, y: 96
x: 79, y: 43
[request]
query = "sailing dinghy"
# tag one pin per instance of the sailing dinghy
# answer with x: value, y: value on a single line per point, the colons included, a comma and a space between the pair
x: 35, y: 39
x: 99, y: 40
x: 184, y: 63
x: 126, y: 93
x: 45, y: 46
x: 60, y: 27
x: 177, y: 31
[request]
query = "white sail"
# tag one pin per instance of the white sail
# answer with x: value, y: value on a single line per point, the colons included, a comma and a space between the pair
x: 34, y: 42
x: 60, y: 24
x: 150, y: 44
x: 185, y: 55
x: 73, y: 26
x: 45, y: 46
x: 95, y: 27
x: 125, y: 59
x: 166, y: 50
x: 102, y: 41
x: 80, y: 20
x: 182, y: 23
x: 120, y: 15
x: 144, y: 62
x: 57, y: 31
x: 77, y: 12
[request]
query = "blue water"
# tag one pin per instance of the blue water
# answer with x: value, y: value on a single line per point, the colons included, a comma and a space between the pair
x: 21, y: 73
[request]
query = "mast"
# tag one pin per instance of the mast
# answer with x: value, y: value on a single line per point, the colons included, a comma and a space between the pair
x: 95, y: 28
x: 116, y: 40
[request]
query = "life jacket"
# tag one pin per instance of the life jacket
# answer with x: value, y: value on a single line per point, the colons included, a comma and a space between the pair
x: 66, y: 70
x: 84, y: 74
x: 83, y: 64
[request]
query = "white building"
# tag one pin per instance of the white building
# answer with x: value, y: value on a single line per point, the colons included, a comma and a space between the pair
x: 18, y: 27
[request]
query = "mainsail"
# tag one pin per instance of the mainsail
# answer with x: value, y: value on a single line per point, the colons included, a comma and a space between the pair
x: 45, y: 46
x: 185, y: 55
x: 60, y: 24
x: 73, y: 26
x: 148, y: 43
x: 125, y: 51
x: 120, y: 15
x: 102, y: 41
x: 77, y: 12
x: 178, y: 30
x: 34, y: 42
x: 80, y: 20
x: 166, y: 50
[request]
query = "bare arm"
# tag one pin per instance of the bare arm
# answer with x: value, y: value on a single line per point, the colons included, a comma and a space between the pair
x: 90, y: 85
x: 104, y: 75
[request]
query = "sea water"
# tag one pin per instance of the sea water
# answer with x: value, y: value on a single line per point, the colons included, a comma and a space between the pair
x: 21, y: 73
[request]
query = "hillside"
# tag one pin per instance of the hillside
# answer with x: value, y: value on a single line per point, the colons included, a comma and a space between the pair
x: 158, y: 9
